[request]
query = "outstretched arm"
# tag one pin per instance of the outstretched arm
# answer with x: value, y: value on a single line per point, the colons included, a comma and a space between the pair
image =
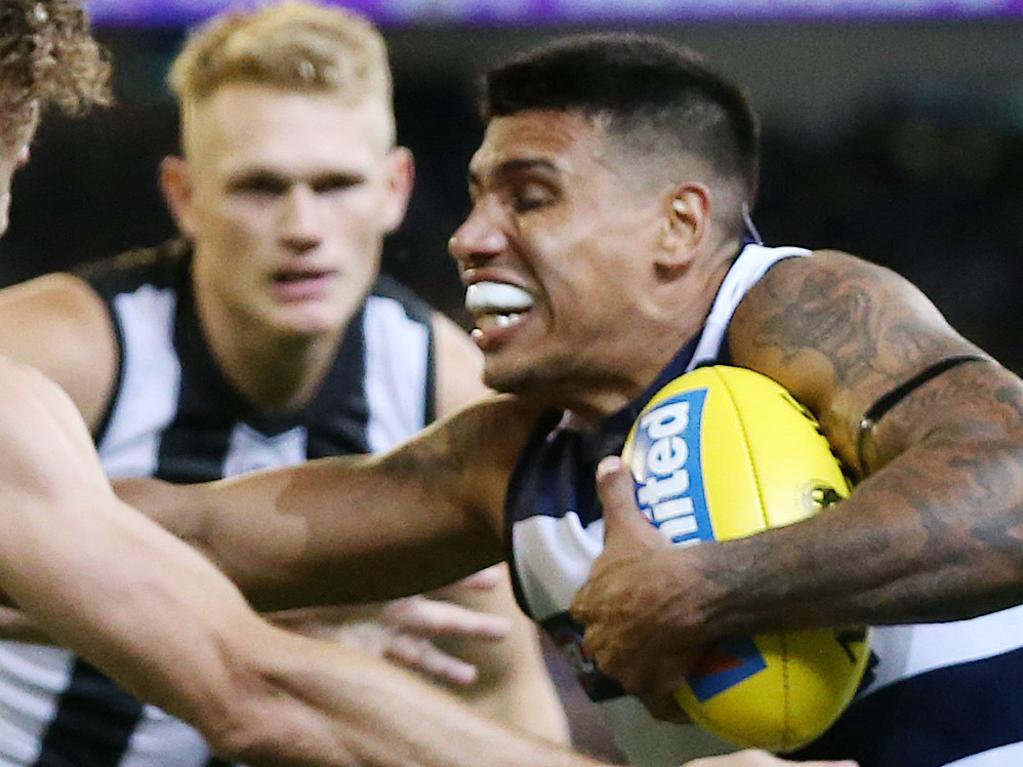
x: 59, y: 325
x: 934, y: 532
x: 356, y: 528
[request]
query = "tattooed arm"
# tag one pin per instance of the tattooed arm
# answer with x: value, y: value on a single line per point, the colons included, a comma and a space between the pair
x: 935, y: 531
x: 929, y: 535
x: 356, y: 528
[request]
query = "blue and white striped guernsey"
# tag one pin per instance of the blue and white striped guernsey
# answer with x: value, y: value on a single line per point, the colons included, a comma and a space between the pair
x: 938, y: 694
x: 174, y: 416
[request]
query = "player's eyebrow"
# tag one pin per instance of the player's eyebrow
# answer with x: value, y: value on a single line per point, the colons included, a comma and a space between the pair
x: 519, y: 165
x: 268, y: 178
x: 261, y: 178
x: 335, y: 180
x: 513, y: 166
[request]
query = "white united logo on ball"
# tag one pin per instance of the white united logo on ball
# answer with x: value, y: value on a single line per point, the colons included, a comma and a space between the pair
x: 667, y: 468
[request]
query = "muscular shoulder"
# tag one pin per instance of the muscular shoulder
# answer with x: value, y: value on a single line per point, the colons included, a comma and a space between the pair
x: 839, y: 332
x: 63, y: 299
x: 59, y: 325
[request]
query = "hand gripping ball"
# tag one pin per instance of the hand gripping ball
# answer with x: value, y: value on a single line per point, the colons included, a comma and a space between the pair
x: 721, y: 453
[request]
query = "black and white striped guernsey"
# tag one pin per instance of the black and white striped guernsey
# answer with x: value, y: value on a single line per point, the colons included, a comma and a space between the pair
x: 174, y: 416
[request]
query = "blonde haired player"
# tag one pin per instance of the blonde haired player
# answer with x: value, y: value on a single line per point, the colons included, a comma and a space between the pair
x: 264, y: 337
x: 102, y: 580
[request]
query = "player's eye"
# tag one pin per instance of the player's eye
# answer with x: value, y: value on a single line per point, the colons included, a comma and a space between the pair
x: 530, y: 198
x: 259, y: 185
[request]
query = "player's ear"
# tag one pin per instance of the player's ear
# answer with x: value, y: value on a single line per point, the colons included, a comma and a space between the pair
x: 176, y: 185
x: 401, y: 176
x: 684, y: 223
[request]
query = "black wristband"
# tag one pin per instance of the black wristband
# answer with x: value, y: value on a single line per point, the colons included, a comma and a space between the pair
x: 886, y: 402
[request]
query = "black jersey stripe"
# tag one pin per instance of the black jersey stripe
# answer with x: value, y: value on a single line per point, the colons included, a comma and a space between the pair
x: 341, y: 407
x: 93, y: 725
x: 95, y: 722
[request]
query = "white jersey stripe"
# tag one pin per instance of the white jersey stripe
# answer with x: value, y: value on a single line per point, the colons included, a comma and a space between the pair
x: 159, y: 738
x: 1006, y: 756
x: 905, y: 651
x: 28, y: 676
x: 150, y: 382
x: 397, y: 356
x: 747, y: 271
x: 555, y: 544
x: 250, y: 450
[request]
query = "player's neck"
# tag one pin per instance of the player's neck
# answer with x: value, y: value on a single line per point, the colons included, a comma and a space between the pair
x: 662, y: 335
x: 273, y: 371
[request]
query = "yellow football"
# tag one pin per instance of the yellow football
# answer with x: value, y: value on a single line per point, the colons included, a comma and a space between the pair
x: 721, y: 453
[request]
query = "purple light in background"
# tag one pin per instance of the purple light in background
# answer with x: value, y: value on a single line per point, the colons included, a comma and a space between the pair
x: 176, y: 12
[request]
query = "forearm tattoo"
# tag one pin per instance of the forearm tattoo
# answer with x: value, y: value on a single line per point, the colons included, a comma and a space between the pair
x: 937, y: 531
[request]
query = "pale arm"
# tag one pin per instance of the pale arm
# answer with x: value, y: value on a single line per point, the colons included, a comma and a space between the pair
x: 157, y: 617
x: 514, y: 686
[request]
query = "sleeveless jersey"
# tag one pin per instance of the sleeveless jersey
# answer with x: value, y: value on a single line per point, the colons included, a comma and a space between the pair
x: 174, y: 416
x: 937, y: 694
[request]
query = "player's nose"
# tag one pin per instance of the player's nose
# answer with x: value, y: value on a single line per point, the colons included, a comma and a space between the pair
x: 299, y: 219
x: 479, y: 238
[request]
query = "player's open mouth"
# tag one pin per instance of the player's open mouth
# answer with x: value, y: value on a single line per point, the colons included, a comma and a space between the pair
x: 498, y: 309
x: 301, y: 284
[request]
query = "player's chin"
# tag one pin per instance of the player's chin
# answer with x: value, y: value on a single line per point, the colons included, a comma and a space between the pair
x: 499, y: 380
x: 307, y: 320
x: 520, y: 375
x: 509, y: 371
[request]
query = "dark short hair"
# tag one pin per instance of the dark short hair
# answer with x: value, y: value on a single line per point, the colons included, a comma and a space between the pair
x: 47, y: 56
x: 640, y: 83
